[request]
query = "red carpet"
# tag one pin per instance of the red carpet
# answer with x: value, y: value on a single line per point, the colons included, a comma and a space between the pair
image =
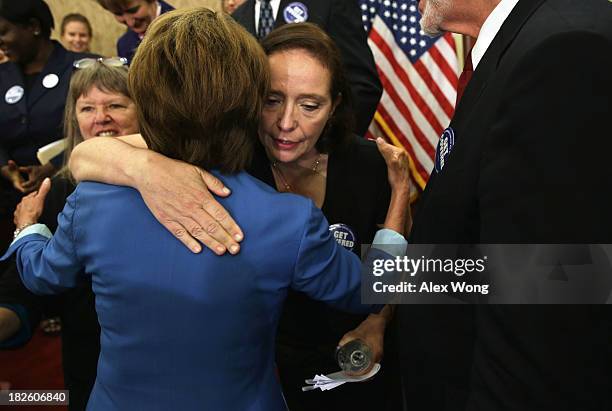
x: 36, y: 366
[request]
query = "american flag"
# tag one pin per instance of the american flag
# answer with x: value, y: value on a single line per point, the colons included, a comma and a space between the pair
x: 419, y: 76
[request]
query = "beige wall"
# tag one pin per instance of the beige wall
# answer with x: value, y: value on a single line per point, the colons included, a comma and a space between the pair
x: 105, y: 27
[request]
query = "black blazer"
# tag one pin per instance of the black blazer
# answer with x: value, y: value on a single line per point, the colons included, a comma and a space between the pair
x: 341, y: 19
x: 529, y: 165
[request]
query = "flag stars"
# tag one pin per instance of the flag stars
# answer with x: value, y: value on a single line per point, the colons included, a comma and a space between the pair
x: 413, y: 9
x: 412, y: 19
x: 387, y: 13
x: 413, y: 41
x: 422, y: 43
x: 413, y: 52
x: 403, y: 40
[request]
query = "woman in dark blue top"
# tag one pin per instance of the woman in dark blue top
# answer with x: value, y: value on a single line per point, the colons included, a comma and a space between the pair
x: 33, y: 89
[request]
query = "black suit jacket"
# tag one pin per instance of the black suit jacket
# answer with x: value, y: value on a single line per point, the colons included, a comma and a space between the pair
x: 529, y: 165
x: 341, y: 19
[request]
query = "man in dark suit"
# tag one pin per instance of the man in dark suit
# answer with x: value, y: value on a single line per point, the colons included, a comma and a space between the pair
x: 341, y: 19
x: 525, y: 160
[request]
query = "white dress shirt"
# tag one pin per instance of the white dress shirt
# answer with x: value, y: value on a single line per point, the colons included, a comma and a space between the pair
x: 489, y: 29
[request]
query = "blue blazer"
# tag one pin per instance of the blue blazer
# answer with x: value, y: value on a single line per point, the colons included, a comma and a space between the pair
x: 182, y: 330
x: 129, y: 42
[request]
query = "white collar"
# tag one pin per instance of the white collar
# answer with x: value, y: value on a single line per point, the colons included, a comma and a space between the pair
x: 275, y: 6
x: 490, y: 28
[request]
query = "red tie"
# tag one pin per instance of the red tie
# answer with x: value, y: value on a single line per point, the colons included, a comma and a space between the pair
x: 465, y: 77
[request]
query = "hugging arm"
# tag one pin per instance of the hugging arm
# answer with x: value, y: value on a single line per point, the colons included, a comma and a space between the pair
x: 178, y: 194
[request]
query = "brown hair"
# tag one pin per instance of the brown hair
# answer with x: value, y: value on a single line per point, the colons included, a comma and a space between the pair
x: 116, y: 5
x: 312, y: 39
x: 107, y: 79
x: 69, y: 18
x: 200, y: 79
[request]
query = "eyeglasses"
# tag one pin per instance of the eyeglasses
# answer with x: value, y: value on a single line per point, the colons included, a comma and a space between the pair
x: 109, y: 62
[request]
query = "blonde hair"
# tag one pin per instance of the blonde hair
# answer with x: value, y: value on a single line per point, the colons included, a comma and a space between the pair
x: 203, y: 78
x: 107, y: 79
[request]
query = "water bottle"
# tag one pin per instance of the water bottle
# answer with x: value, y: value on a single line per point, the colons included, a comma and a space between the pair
x: 354, y: 357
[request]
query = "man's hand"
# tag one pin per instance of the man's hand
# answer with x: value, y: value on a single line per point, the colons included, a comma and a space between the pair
x: 179, y: 196
x: 11, y: 173
x: 30, y: 208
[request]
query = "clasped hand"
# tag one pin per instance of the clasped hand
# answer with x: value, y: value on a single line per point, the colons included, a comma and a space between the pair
x: 35, y: 175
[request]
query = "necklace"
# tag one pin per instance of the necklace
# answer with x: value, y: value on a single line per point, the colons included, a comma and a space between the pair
x: 287, y: 187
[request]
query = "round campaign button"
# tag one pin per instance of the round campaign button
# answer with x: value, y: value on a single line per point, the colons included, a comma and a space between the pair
x: 343, y: 235
x: 50, y: 80
x: 295, y: 13
x: 14, y: 95
x: 445, y: 146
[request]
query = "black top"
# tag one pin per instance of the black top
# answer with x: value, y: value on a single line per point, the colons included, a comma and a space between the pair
x: 34, y: 116
x: 357, y: 195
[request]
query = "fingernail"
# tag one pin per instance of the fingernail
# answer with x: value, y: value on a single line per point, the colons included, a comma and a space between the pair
x: 196, y: 249
x: 226, y: 190
x: 238, y: 237
x: 220, y: 249
x: 234, y: 249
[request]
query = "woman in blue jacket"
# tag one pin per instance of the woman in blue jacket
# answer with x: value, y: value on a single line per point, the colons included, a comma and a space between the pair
x: 183, y: 330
